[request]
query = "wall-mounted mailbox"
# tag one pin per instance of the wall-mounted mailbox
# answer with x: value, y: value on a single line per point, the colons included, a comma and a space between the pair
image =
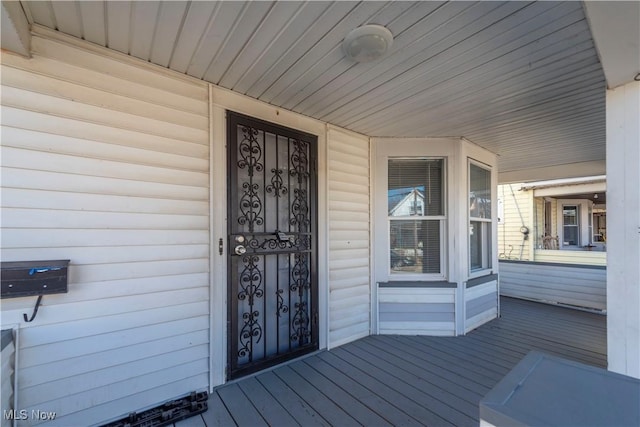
x: 29, y: 278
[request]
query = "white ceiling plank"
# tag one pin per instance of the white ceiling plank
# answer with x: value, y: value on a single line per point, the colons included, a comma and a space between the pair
x: 170, y: 21
x: 356, y: 17
x: 144, y: 21
x: 333, y: 65
x: 302, y: 44
x: 92, y: 14
x: 404, y: 29
x: 67, y: 15
x: 489, y: 62
x: 198, y: 17
x: 248, y: 23
x: 274, y: 24
x: 280, y: 45
x: 118, y: 25
x: 220, y: 25
x: 522, y: 60
x: 412, y: 51
x: 42, y: 13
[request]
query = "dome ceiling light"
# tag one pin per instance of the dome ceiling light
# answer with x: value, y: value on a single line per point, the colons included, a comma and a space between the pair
x: 367, y: 43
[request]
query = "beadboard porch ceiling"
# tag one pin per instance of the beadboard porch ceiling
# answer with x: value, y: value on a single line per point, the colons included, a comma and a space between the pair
x: 521, y: 79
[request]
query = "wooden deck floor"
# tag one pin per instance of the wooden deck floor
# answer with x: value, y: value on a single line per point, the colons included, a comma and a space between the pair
x: 408, y: 381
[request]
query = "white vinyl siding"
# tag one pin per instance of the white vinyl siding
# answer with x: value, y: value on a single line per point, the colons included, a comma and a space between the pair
x: 518, y: 210
x: 416, y: 311
x: 348, y: 200
x: 481, y: 304
x: 577, y: 285
x: 106, y: 163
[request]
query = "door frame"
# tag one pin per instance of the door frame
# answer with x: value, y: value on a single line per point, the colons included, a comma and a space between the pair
x: 235, y: 118
x: 221, y: 100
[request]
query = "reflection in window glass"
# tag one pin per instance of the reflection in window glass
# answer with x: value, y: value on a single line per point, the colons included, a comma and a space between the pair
x: 479, y: 218
x: 416, y: 212
x: 479, y: 192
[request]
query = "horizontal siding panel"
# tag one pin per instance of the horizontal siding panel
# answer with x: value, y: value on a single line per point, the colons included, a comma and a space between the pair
x: 419, y: 298
x: 348, y: 282
x: 37, y: 199
x: 343, y: 195
x: 339, y: 216
x: 336, y: 177
x: 572, y: 257
x: 98, y: 79
x: 194, y: 92
x: 39, y: 141
x: 113, y: 306
x: 58, y: 181
x: 39, y: 160
x: 415, y: 308
x: 358, y: 162
x: 127, y: 329
x: 118, y: 288
x: 340, y: 166
x: 27, y: 81
x: 25, y: 238
x: 108, y: 254
x: 66, y: 219
x: 418, y: 328
x: 86, y: 382
x: 348, y: 263
x: 481, y: 319
x: 42, y: 122
x: 41, y: 374
x: 361, y: 299
x: 345, y: 245
x: 480, y: 290
x: 349, y: 316
x: 131, y: 386
x: 387, y: 317
x: 339, y: 144
x: 348, y: 187
x: 32, y: 101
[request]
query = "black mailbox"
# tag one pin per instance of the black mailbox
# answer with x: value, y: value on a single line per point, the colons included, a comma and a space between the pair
x: 27, y: 278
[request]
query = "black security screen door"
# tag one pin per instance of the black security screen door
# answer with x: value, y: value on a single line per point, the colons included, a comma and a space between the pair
x: 272, y: 299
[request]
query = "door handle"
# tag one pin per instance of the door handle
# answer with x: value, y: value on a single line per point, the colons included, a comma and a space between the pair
x: 240, y: 250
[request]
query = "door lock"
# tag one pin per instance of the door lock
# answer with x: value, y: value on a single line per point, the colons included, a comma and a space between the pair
x: 240, y: 250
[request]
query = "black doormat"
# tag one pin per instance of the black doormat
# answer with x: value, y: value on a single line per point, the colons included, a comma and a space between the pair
x: 167, y: 413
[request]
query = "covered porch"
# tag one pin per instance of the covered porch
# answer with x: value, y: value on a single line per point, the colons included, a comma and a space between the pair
x: 407, y: 380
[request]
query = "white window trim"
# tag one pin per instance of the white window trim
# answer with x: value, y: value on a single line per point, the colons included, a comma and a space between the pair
x: 486, y: 244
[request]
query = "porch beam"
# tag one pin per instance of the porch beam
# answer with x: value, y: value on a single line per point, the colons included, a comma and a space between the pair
x: 615, y: 28
x: 16, y: 35
x: 570, y: 170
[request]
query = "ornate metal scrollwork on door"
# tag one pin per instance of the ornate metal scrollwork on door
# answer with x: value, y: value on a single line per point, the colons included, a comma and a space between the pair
x: 250, y: 289
x: 250, y: 153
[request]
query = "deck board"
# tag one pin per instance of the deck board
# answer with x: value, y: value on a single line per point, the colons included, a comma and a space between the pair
x: 407, y: 380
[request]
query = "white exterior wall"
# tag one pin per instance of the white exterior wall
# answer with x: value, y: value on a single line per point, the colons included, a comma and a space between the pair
x: 623, y: 229
x: 349, y: 232
x: 106, y: 163
x: 518, y: 212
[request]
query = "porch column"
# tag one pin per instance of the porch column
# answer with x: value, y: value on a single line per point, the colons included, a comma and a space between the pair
x: 623, y: 229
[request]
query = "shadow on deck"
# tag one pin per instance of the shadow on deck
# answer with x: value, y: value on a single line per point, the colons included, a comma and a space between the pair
x: 406, y: 380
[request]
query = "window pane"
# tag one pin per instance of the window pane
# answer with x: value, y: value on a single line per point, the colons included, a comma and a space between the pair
x: 570, y: 215
x: 416, y: 187
x: 480, y: 245
x: 479, y: 192
x: 415, y: 246
x: 570, y: 236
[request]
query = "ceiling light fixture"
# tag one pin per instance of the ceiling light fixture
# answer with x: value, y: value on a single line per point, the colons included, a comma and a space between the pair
x: 367, y: 43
